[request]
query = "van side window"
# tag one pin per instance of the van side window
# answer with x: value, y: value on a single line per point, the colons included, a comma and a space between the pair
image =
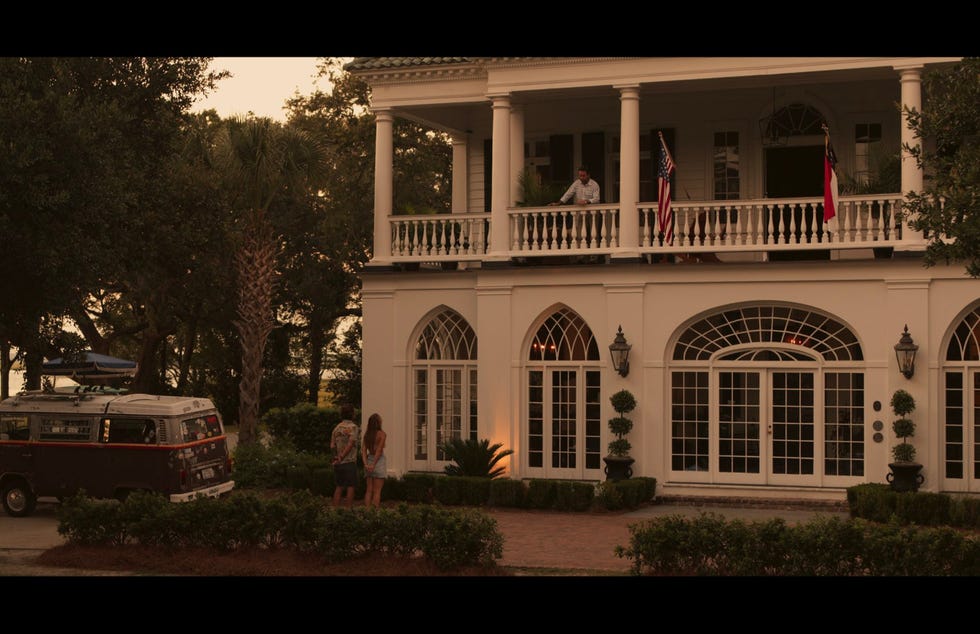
x: 70, y: 429
x: 200, y: 428
x: 14, y: 428
x: 129, y: 430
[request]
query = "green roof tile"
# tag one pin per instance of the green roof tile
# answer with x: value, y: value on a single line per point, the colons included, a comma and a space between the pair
x: 373, y: 63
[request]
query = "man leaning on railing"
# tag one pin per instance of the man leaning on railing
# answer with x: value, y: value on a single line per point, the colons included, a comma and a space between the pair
x: 584, y: 190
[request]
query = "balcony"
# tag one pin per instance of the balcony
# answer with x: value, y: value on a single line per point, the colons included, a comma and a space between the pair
x: 706, y: 227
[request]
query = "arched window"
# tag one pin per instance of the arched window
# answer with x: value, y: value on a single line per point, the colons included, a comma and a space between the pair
x: 795, y: 119
x: 767, y: 394
x: 563, y: 404
x: 768, y: 324
x: 447, y: 336
x: 564, y: 336
x: 961, y: 406
x: 444, y: 378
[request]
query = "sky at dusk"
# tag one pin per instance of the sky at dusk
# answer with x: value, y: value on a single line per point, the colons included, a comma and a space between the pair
x: 260, y: 85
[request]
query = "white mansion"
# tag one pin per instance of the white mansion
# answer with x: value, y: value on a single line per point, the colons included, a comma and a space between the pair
x: 762, y: 338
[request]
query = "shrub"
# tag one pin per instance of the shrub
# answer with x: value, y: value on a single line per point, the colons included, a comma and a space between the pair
x: 709, y: 545
x: 417, y: 487
x: 623, y: 402
x: 448, y: 491
x: 304, y: 426
x: 923, y: 508
x: 608, y: 496
x: 475, y: 458
x: 965, y: 512
x: 872, y: 501
x: 903, y: 404
x: 83, y: 520
x: 619, y: 494
x: 476, y: 491
x: 574, y: 496
x: 540, y: 494
x: 244, y: 520
x: 462, y: 538
x: 506, y: 492
x: 471, y: 491
x: 274, y: 467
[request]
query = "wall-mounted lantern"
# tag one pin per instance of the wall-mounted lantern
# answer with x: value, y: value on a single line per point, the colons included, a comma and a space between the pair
x: 905, y: 351
x: 620, y: 352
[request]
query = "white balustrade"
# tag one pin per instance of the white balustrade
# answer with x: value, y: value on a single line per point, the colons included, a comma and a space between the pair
x: 565, y: 229
x: 701, y: 226
x: 774, y: 224
x: 439, y: 237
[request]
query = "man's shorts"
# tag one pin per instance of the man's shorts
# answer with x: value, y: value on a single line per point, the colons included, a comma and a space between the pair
x: 345, y: 474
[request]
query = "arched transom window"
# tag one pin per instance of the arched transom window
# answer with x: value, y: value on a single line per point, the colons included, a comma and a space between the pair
x: 963, y: 345
x: 564, y: 336
x: 447, y: 336
x: 823, y: 335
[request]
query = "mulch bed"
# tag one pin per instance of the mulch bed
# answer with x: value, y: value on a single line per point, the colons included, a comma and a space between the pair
x: 249, y: 563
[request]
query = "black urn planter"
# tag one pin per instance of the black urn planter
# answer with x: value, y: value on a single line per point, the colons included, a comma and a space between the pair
x: 905, y: 476
x: 618, y: 468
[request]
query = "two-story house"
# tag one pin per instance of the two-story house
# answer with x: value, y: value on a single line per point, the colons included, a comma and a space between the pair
x: 762, y: 337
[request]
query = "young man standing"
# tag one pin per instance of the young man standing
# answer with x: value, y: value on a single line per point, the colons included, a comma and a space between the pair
x: 584, y: 191
x: 343, y: 446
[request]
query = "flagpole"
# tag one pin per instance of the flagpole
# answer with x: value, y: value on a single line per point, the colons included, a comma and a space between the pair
x: 663, y: 144
x: 830, y: 186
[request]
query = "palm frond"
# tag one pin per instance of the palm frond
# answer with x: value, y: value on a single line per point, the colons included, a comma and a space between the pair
x: 476, y: 458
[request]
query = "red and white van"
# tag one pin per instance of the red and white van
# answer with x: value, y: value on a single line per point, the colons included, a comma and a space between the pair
x: 55, y: 443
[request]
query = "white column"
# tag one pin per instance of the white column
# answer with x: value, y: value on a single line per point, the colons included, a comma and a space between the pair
x: 461, y: 175
x: 911, y: 78
x: 907, y: 304
x: 629, y: 171
x: 516, y: 152
x: 500, y: 179
x: 383, y: 185
x: 497, y: 395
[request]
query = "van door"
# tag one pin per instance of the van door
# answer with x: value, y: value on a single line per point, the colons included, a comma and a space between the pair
x: 205, y: 452
x: 130, y: 454
x: 66, y: 457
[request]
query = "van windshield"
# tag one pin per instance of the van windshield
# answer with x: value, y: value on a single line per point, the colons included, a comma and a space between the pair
x: 200, y: 428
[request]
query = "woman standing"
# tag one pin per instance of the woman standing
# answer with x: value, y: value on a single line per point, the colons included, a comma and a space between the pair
x: 373, y: 455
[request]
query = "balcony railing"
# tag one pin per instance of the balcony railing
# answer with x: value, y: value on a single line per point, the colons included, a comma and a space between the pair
x: 708, y: 226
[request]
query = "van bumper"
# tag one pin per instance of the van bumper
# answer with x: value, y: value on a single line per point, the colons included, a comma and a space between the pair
x: 209, y: 492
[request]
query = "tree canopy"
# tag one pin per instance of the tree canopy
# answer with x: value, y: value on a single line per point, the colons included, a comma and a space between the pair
x: 121, y: 214
x: 949, y: 128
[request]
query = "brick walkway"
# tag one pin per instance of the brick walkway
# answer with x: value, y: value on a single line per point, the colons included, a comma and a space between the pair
x: 587, y: 541
x: 574, y: 541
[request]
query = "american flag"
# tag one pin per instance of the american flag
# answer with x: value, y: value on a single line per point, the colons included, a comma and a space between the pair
x: 664, y: 215
x: 829, y: 183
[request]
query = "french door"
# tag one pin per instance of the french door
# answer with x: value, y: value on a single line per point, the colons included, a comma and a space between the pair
x: 767, y: 427
x: 961, y: 430
x: 563, y: 423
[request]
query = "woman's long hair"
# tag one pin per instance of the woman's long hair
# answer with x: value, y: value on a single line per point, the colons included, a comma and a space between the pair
x: 373, y: 426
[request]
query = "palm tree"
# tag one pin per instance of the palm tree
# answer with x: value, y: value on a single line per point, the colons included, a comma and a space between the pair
x: 263, y: 160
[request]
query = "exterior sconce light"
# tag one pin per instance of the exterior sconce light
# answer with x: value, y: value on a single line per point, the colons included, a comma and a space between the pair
x: 620, y: 352
x: 905, y: 353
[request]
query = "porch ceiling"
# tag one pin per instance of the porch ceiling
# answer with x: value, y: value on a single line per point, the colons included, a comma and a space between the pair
x: 473, y: 116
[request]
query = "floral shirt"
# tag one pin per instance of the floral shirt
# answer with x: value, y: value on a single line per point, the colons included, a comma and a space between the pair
x: 345, y: 433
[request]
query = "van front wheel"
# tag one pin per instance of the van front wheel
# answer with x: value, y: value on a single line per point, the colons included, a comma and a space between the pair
x: 18, y: 499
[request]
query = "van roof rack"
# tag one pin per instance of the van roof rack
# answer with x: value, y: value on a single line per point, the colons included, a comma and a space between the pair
x: 48, y: 395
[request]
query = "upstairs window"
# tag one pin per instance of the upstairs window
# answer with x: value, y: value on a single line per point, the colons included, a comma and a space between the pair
x: 726, y: 166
